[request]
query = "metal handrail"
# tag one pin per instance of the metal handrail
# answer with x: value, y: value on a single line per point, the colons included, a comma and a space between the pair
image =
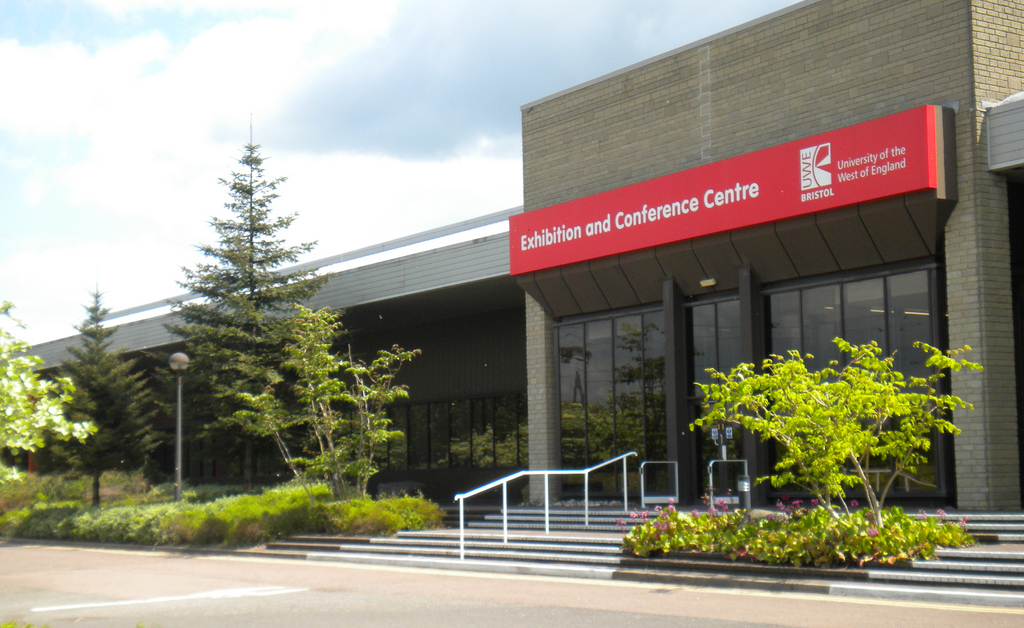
x: 643, y: 484
x: 503, y: 483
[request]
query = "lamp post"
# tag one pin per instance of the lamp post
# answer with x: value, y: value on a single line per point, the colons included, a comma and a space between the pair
x: 179, y: 362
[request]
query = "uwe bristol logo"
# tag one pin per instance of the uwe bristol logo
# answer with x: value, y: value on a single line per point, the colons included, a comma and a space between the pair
x: 812, y: 162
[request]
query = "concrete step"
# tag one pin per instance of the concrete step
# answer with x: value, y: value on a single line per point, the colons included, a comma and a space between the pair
x: 578, y: 550
x: 593, y: 539
x: 995, y: 526
x: 963, y: 566
x: 979, y: 554
x: 565, y: 526
x: 497, y: 544
x: 988, y: 516
x: 499, y: 552
x: 948, y: 579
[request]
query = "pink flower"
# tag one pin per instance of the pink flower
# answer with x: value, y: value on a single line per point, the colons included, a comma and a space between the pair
x: 872, y: 532
x: 814, y: 502
x: 853, y: 503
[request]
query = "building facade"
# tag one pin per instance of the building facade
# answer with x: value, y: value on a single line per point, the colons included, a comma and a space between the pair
x: 620, y: 325
x: 836, y: 168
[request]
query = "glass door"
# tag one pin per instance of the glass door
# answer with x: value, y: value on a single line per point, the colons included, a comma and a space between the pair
x: 716, y: 345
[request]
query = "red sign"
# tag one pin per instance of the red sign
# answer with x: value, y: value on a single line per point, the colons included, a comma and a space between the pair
x: 873, y: 160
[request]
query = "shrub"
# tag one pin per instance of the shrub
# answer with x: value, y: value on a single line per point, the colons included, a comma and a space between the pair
x: 240, y: 520
x: 797, y: 536
x: 32, y: 488
x: 385, y: 516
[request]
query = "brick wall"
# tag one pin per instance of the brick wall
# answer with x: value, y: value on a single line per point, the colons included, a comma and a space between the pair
x: 816, y: 68
x: 810, y: 69
x: 542, y: 405
x: 978, y: 275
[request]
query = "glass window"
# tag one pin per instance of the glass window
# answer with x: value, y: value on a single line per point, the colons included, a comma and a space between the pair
x: 419, y: 437
x: 481, y: 432
x: 506, y: 426
x: 705, y: 345
x: 599, y: 414
x: 617, y: 366
x: 439, y: 435
x: 821, y: 324
x: 398, y: 455
x: 483, y: 437
x: 729, y: 351
x: 910, y: 321
x: 572, y: 359
x: 458, y: 421
x: 654, y: 386
x: 864, y: 311
x: 784, y: 313
x: 629, y: 382
x: 894, y: 311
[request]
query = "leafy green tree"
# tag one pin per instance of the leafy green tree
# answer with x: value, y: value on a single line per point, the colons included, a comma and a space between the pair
x: 347, y: 421
x: 372, y: 391
x: 831, y: 424
x: 31, y: 408
x: 321, y: 394
x: 114, y: 396
x: 235, y: 327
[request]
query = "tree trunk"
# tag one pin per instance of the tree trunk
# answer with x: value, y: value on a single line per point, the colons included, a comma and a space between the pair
x: 247, y: 465
x: 96, y: 489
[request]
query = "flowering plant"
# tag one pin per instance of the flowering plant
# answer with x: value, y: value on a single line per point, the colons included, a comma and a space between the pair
x: 799, y: 536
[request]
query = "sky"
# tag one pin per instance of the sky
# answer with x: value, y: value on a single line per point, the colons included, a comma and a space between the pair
x: 388, y: 118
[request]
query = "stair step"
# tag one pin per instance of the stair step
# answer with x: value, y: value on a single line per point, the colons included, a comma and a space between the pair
x: 903, y: 576
x: 997, y: 537
x: 975, y: 554
x: 492, y: 554
x: 988, y: 516
x: 319, y: 538
x: 995, y: 525
x: 603, y: 540
x: 498, y: 545
x: 531, y: 525
x: 963, y: 566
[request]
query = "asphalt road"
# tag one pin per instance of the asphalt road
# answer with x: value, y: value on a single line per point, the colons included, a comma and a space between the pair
x: 94, y: 587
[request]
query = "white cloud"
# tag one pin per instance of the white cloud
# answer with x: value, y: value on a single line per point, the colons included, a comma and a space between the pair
x: 60, y: 276
x: 111, y: 148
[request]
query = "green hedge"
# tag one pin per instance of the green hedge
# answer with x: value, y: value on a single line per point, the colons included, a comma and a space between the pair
x: 243, y: 520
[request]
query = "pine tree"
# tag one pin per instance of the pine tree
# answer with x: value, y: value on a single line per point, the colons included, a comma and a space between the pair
x: 234, y: 330
x: 111, y: 393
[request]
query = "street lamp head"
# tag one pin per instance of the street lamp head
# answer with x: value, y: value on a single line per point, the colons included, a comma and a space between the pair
x: 179, y: 362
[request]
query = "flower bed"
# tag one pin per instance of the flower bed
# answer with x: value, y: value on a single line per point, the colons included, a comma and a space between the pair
x: 795, y: 535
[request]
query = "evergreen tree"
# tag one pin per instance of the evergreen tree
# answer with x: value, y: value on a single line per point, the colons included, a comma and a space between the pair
x: 112, y: 394
x: 235, y: 329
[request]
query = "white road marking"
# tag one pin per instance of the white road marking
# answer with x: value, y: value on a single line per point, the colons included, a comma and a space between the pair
x: 208, y: 595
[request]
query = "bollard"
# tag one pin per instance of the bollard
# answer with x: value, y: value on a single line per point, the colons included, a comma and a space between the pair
x: 743, y: 485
